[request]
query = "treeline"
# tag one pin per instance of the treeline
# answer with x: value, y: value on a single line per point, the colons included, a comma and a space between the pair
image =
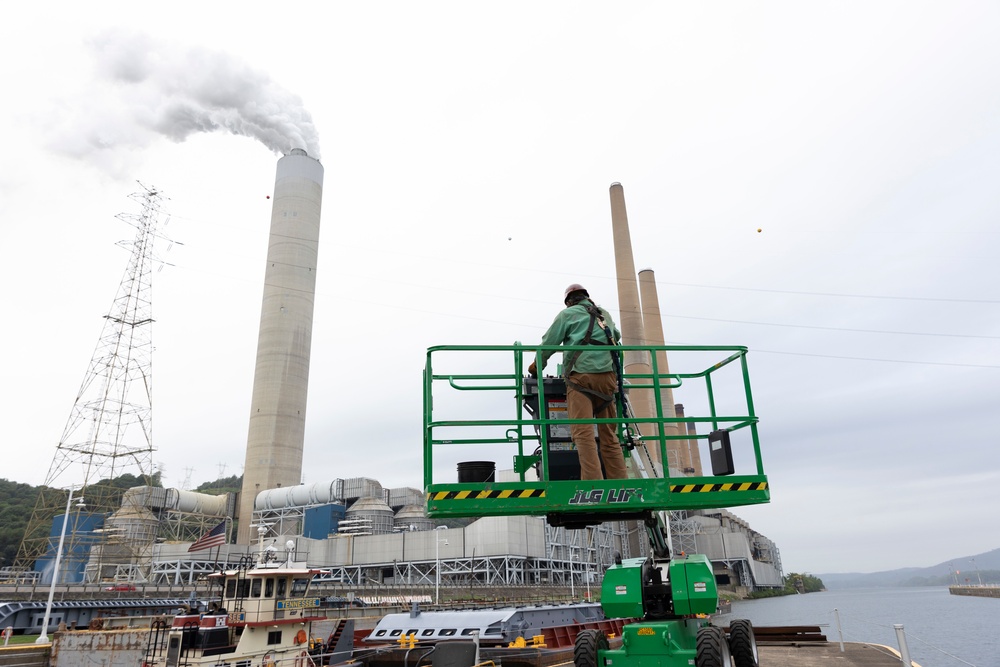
x: 795, y: 583
x: 17, y: 501
x: 231, y: 484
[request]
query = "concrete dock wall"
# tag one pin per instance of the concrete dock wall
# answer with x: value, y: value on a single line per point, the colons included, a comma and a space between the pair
x: 121, y: 648
x: 976, y: 591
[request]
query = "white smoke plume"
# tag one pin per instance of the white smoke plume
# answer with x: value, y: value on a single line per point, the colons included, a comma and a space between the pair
x: 147, y: 89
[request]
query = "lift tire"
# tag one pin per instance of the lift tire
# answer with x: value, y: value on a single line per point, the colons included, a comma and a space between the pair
x: 742, y: 643
x: 588, y: 643
x: 712, y: 649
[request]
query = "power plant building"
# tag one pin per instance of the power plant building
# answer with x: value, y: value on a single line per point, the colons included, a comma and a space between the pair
x: 366, y: 549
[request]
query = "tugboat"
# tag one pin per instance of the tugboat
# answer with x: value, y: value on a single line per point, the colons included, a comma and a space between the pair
x: 265, y: 616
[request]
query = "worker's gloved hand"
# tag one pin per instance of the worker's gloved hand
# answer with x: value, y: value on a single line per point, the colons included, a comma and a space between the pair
x: 533, y: 370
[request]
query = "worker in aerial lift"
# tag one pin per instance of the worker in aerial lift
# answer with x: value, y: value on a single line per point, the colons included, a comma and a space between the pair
x: 591, y: 380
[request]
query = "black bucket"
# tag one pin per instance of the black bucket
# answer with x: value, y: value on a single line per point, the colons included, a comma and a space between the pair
x: 473, y: 472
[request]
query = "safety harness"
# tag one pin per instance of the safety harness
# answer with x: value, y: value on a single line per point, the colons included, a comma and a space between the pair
x: 596, y: 317
x: 631, y: 437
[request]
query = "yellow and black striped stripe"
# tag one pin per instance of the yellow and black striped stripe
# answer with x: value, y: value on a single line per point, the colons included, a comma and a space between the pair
x: 705, y: 488
x: 485, y: 495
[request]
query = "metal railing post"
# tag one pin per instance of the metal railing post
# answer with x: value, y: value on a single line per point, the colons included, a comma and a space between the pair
x: 904, y: 650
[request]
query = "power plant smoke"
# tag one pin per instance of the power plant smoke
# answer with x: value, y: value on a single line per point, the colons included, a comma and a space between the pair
x: 159, y: 90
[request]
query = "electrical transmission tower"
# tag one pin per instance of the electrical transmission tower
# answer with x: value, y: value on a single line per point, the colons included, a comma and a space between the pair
x: 107, y: 444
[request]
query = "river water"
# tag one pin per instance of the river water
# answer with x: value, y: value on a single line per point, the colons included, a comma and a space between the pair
x: 942, y: 630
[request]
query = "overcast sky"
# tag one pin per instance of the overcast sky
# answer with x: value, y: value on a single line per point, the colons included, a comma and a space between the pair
x: 468, y: 150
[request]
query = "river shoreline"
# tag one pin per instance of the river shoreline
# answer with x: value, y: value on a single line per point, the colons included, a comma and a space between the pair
x: 976, y: 591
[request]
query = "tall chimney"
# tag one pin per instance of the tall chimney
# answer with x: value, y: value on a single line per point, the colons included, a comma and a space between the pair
x: 694, y: 454
x: 653, y: 333
x: 631, y: 313
x: 281, y: 377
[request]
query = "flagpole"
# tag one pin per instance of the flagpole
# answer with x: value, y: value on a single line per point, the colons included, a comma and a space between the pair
x: 218, y: 549
x: 213, y: 538
x: 229, y: 521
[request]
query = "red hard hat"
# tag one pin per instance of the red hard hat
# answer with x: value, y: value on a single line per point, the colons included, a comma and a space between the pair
x: 575, y: 287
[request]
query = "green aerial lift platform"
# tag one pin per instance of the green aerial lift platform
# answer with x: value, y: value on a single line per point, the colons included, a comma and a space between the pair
x: 467, y: 387
x: 528, y: 438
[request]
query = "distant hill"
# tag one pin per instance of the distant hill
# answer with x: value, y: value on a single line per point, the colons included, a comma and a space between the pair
x: 232, y: 484
x: 16, y: 503
x: 942, y: 574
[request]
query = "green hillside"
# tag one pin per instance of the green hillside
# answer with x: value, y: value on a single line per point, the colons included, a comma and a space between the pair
x: 16, y: 503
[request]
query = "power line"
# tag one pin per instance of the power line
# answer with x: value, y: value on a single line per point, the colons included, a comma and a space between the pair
x: 664, y: 314
x: 820, y: 328
x: 834, y: 294
x: 716, y: 287
x: 757, y: 350
x: 453, y: 260
x: 887, y: 361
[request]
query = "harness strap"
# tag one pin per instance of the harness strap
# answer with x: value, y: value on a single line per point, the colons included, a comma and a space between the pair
x: 598, y: 318
x: 607, y: 398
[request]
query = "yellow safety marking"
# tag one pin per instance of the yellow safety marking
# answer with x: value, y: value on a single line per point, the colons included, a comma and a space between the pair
x: 708, y: 488
x: 540, y: 493
x: 486, y: 494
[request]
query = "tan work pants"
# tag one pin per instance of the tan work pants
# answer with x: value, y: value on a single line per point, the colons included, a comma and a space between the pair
x: 580, y: 405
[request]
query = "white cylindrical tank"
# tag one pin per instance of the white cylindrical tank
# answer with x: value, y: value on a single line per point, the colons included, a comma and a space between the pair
x: 300, y: 496
x: 303, y: 495
x: 200, y: 503
x: 190, y: 502
x: 411, y: 518
x: 131, y: 524
x: 375, y: 511
x: 281, y: 376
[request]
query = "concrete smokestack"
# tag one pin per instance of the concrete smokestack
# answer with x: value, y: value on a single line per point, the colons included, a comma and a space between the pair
x: 693, y: 451
x: 281, y: 377
x: 652, y: 324
x: 630, y: 313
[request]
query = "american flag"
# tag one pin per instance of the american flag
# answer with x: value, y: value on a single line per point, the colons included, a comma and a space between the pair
x: 213, y: 538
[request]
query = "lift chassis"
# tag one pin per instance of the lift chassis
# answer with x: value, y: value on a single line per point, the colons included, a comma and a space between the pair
x: 673, y: 600
x: 672, y: 597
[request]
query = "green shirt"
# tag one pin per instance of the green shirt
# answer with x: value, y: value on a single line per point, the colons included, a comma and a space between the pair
x: 570, y: 328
